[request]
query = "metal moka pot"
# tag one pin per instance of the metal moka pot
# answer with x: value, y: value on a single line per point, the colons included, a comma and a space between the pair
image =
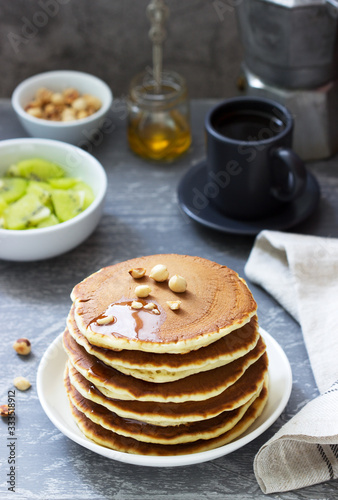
x: 290, y: 43
x: 291, y: 55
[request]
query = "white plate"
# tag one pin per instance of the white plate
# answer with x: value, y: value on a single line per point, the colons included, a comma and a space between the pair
x: 54, y: 401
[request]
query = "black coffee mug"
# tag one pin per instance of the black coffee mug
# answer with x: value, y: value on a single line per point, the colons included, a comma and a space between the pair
x: 251, y: 167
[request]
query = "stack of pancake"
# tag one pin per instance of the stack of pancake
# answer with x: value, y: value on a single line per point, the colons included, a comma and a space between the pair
x: 161, y: 381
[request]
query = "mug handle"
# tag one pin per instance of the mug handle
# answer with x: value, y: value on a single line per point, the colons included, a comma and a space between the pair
x: 288, y: 175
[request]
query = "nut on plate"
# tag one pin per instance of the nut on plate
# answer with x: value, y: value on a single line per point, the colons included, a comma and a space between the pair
x: 177, y: 284
x: 137, y: 272
x: 159, y: 273
x: 22, y: 346
x: 136, y: 305
x: 105, y: 320
x: 174, y: 305
x: 142, y: 291
x: 5, y: 411
x: 150, y: 306
x: 21, y: 383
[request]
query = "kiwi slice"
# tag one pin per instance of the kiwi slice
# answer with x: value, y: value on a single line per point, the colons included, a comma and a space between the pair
x: 36, y: 193
x: 63, y: 183
x: 67, y: 203
x: 89, y: 196
x: 26, y: 212
x: 36, y: 169
x: 12, y: 189
x: 42, y: 190
x: 3, y: 205
x: 52, y: 220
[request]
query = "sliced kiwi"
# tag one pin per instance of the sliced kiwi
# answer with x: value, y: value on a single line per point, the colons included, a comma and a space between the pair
x: 52, y: 220
x: 3, y: 205
x: 36, y: 169
x: 12, y: 189
x: 63, y: 183
x: 89, y: 196
x: 36, y: 193
x: 67, y: 203
x: 26, y: 212
x: 42, y: 190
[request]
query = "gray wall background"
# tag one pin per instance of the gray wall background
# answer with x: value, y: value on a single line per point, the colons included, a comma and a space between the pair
x: 109, y: 38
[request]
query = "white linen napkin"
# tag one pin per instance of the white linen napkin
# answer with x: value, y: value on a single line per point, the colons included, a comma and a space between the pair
x: 301, y: 272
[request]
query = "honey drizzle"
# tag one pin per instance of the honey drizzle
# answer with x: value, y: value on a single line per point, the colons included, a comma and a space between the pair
x: 139, y: 324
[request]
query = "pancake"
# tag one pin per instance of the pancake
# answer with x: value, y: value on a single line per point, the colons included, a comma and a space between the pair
x: 197, y: 387
x: 205, y: 429
x: 163, y: 414
x: 110, y: 439
x: 146, y: 379
x: 169, y: 367
x: 217, y: 301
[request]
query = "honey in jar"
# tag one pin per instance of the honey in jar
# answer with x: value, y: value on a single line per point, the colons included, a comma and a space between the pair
x: 158, y: 116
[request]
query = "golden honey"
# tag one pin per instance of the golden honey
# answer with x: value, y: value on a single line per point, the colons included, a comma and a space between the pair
x: 158, y: 117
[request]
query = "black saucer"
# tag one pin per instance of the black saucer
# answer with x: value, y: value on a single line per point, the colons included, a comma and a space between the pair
x: 203, y: 211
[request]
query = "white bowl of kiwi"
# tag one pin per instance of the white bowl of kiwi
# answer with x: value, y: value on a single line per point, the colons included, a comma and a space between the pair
x: 65, y: 105
x: 51, y: 198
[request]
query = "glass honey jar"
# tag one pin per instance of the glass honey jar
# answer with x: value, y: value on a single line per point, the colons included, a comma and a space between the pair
x: 158, y: 116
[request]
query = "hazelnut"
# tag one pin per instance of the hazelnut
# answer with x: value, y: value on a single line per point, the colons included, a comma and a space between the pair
x: 21, y: 383
x: 105, y: 320
x: 159, y: 273
x: 79, y: 104
x: 90, y: 110
x: 68, y: 115
x: 70, y: 95
x: 174, y: 305
x: 22, y: 346
x: 54, y: 117
x: 177, y: 284
x: 137, y: 272
x: 92, y: 101
x: 35, y: 103
x: 82, y: 114
x: 37, y: 112
x: 142, y: 291
x: 150, y: 306
x: 50, y: 109
x: 43, y: 95
x: 136, y: 305
x: 5, y: 411
x: 65, y: 106
x: 57, y: 98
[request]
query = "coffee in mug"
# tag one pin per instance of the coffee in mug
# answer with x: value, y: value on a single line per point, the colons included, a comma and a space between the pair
x: 249, y: 157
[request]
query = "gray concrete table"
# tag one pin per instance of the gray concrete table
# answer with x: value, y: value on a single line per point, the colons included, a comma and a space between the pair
x: 141, y: 216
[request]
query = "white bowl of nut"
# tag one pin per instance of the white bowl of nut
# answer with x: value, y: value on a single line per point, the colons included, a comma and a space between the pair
x: 64, y: 105
x: 51, y: 198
